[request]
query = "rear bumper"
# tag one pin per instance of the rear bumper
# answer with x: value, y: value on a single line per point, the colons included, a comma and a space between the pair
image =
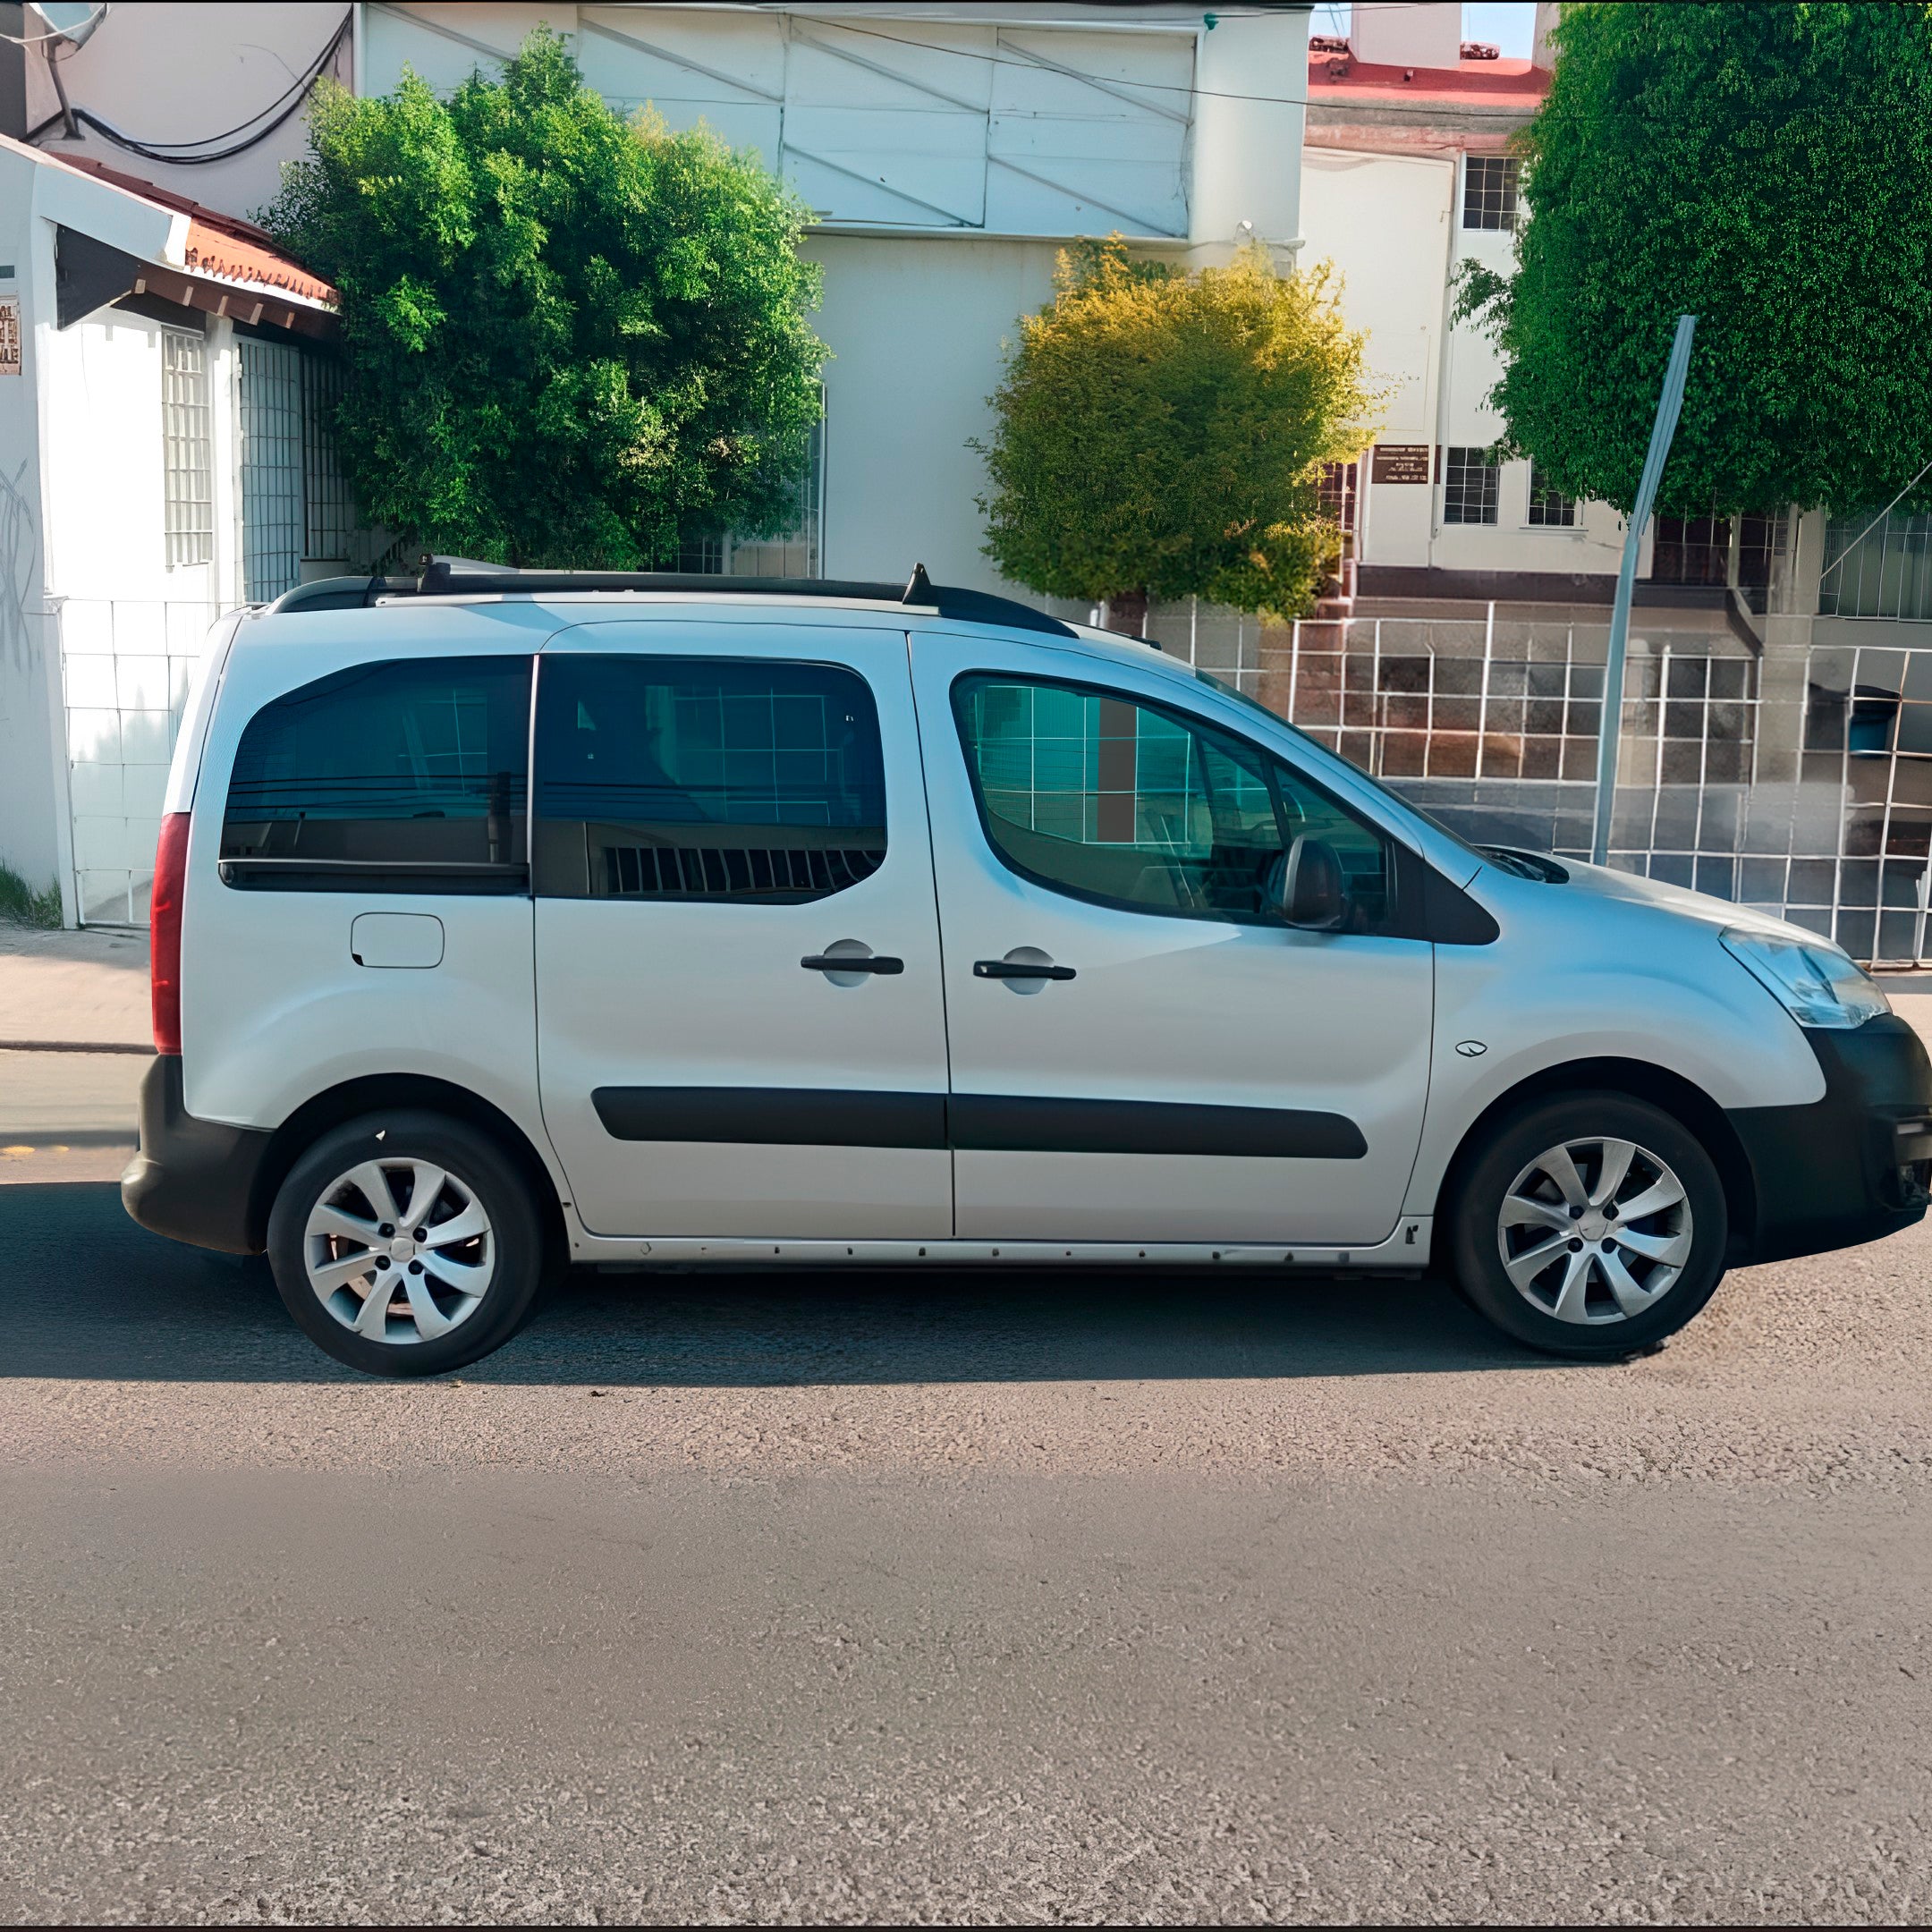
x: 1852, y: 1166
x: 194, y: 1181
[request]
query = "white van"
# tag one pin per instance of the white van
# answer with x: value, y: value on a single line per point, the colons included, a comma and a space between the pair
x: 507, y: 920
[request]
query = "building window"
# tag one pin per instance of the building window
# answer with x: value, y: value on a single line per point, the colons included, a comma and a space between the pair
x: 1549, y: 509
x: 1336, y: 491
x: 1882, y: 569
x: 1469, y: 486
x: 186, y: 451
x: 1697, y: 550
x: 794, y: 552
x: 1488, y: 191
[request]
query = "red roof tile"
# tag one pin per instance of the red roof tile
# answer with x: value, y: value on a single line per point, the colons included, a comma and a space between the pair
x: 224, y: 246
x: 1503, y: 85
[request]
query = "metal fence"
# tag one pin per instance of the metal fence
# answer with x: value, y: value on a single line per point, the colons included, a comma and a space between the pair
x: 125, y: 667
x: 1801, y: 785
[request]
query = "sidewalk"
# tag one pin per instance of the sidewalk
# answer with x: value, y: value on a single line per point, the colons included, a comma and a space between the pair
x: 70, y: 1115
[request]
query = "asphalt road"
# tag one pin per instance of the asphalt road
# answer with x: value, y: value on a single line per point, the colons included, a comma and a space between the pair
x: 940, y: 1599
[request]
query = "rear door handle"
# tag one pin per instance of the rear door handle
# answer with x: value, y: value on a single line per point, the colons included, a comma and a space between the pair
x: 1018, y: 970
x: 875, y: 962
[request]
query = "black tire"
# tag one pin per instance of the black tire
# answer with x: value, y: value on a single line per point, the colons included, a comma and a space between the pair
x: 1607, y: 1333
x: 513, y: 1246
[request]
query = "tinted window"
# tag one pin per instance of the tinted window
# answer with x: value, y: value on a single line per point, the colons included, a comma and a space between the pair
x: 418, y: 764
x: 689, y: 778
x: 1104, y: 797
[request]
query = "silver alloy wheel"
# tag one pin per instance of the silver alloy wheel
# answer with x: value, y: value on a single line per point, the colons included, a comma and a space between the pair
x: 1595, y: 1230
x: 399, y: 1250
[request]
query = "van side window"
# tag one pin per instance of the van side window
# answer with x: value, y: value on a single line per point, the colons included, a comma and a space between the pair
x: 705, y: 778
x: 413, y: 770
x: 1112, y: 799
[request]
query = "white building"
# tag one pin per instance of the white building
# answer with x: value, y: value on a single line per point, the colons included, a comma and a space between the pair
x: 947, y: 150
x: 162, y: 458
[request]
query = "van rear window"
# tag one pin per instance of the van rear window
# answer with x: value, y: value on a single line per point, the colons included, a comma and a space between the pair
x: 416, y: 770
x: 705, y: 778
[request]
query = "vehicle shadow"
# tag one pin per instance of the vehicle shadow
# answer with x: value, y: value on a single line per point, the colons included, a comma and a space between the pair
x: 87, y: 1295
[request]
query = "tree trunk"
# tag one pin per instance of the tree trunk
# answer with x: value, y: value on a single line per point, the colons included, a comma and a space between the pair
x: 1126, y: 612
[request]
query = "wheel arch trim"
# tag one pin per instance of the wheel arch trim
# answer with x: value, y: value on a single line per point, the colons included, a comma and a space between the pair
x: 1682, y: 1099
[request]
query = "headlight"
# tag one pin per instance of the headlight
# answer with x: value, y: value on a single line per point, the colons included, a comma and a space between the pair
x: 1814, y: 982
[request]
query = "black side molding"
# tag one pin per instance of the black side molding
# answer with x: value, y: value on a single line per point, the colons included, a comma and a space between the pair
x: 810, y: 1116
x: 774, y: 1116
x: 1031, y: 1124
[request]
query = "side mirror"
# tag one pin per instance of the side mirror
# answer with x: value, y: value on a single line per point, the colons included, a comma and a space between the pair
x: 1312, y: 895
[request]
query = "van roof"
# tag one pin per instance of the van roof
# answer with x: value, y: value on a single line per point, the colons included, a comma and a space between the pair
x: 456, y: 577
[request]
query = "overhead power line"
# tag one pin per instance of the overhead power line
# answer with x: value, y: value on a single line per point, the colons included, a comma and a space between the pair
x: 198, y: 153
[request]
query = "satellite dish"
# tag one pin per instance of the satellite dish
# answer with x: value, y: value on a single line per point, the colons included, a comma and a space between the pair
x: 71, y: 20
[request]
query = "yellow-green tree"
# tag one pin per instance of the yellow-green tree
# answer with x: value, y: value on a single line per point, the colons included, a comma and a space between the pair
x: 1163, y: 434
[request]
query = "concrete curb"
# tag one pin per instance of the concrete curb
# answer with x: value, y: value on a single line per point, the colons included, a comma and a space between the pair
x: 56, y: 1045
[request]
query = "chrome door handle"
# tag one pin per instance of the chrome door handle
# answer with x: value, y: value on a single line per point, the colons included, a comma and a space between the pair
x: 1018, y: 970
x: 872, y: 963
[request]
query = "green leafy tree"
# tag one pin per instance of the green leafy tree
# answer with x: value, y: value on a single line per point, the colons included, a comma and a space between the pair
x: 568, y: 338
x: 1767, y: 168
x: 1163, y: 434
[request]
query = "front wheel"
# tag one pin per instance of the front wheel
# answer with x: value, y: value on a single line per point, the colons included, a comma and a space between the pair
x: 1590, y: 1224
x: 406, y: 1244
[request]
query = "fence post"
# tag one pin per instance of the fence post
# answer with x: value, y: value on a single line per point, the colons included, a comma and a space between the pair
x: 1610, y: 723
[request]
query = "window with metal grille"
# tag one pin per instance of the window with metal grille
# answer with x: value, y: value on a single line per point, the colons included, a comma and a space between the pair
x: 1488, y: 191
x: 1877, y: 569
x: 795, y: 552
x: 1469, y: 486
x: 1697, y: 550
x: 1549, y: 509
x: 328, y: 506
x: 272, y: 531
x: 186, y: 451
x: 1336, y: 492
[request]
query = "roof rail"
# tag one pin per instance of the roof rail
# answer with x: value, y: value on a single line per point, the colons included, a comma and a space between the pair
x: 459, y: 577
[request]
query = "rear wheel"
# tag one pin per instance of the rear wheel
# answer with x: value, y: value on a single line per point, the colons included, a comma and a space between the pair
x: 1590, y: 1224
x: 406, y: 1244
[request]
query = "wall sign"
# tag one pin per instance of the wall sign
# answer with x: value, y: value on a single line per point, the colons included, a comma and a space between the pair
x: 10, y: 336
x: 1401, y: 462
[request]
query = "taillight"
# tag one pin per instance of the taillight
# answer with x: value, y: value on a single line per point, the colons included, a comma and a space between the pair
x: 165, y: 911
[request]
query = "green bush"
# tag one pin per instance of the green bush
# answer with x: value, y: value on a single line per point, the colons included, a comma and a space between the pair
x: 568, y: 338
x: 1163, y: 434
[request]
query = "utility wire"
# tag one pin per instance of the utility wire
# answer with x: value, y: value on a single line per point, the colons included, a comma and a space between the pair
x: 175, y: 154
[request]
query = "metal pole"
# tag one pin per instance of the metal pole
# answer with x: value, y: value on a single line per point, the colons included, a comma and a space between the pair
x: 1610, y: 729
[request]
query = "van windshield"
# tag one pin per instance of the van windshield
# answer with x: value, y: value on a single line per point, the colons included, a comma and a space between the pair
x: 1229, y: 690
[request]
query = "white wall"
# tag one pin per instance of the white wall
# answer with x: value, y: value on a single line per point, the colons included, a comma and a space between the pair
x: 916, y: 329
x: 914, y: 118
x: 31, y: 814
x: 1392, y: 224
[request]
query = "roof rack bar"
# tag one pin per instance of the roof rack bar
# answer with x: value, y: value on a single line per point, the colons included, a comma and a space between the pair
x: 459, y: 577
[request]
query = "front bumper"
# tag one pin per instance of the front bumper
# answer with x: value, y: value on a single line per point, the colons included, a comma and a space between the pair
x: 1852, y: 1166
x: 195, y: 1180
